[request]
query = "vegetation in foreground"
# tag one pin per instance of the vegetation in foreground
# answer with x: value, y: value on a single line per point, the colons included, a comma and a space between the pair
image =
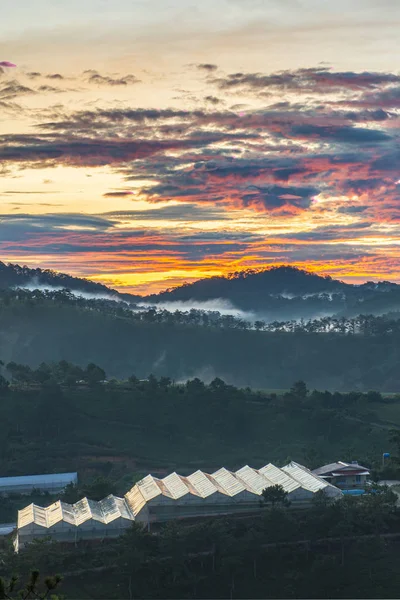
x: 347, y: 549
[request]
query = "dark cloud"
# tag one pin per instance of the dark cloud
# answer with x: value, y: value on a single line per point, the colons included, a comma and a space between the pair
x: 335, y: 232
x: 213, y: 100
x: 274, y: 197
x: 117, y: 194
x: 54, y: 76
x: 15, y: 226
x: 388, y: 98
x: 12, y: 192
x: 207, y: 67
x: 181, y: 212
x: 49, y: 88
x: 352, y: 210
x: 13, y: 89
x: 94, y: 152
x: 346, y: 135
x: 97, y: 78
x: 320, y: 80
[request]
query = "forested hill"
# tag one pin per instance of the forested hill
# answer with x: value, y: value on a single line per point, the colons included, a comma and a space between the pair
x: 359, y: 354
x: 12, y: 275
x: 287, y: 292
x: 277, y: 293
x: 276, y: 280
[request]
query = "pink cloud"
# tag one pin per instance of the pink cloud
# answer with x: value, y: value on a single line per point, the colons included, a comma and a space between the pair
x: 5, y: 63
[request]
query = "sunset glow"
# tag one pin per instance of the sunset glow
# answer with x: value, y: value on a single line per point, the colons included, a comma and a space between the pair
x: 143, y: 147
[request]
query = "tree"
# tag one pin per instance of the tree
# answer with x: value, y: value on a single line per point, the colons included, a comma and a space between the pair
x: 4, y: 384
x: 94, y: 374
x: 19, y: 373
x: 275, y: 494
x: 32, y: 589
x: 299, y: 389
x: 99, y: 489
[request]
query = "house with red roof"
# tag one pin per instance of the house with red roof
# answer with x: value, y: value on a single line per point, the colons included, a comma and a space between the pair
x: 343, y: 475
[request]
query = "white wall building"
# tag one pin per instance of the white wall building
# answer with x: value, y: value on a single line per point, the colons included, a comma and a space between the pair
x: 153, y: 500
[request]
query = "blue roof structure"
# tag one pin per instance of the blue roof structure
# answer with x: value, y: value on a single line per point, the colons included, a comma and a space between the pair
x: 49, y: 480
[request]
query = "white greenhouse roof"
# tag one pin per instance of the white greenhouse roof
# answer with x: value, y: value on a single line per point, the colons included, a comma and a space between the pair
x: 279, y: 477
x: 308, y: 480
x: 228, y: 482
x: 105, y: 511
x: 253, y: 480
x: 197, y: 487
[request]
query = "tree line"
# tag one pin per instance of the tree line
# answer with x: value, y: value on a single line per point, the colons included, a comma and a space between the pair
x: 361, y: 325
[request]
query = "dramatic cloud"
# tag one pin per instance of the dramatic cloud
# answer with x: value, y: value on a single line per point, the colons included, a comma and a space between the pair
x: 320, y: 80
x: 309, y: 176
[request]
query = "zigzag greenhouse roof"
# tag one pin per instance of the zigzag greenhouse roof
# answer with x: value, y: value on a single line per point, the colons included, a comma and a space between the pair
x: 198, y: 486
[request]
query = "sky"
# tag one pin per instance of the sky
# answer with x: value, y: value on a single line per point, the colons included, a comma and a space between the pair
x: 148, y: 143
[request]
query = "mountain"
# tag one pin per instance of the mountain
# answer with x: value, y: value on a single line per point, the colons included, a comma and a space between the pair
x: 277, y: 293
x: 287, y: 293
x: 13, y: 276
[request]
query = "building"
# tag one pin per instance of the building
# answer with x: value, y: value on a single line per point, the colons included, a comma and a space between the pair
x: 346, y: 476
x: 53, y: 483
x: 154, y: 500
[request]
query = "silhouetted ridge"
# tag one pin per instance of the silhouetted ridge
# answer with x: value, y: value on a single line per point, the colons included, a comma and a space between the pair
x: 271, y: 281
x: 13, y: 275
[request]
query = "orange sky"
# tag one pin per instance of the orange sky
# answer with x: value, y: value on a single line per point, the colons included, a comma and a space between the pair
x: 143, y: 145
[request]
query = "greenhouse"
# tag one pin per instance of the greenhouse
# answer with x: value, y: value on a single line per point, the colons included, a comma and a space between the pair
x: 154, y: 500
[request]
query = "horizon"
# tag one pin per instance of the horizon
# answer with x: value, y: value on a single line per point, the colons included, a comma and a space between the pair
x: 264, y: 269
x: 144, y: 146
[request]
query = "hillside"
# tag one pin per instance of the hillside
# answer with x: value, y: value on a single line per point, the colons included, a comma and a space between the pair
x: 13, y: 276
x: 287, y: 293
x: 36, y: 327
x: 277, y: 293
x: 155, y: 424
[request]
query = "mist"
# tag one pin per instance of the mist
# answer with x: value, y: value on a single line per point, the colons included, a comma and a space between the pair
x: 35, y: 285
x: 224, y: 307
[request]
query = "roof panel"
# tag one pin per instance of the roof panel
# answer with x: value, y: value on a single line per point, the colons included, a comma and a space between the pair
x: 135, y: 500
x: 95, y: 509
x: 175, y: 485
x: 228, y: 482
x: 148, y: 487
x: 54, y: 513
x: 109, y: 509
x: 308, y: 480
x: 202, y: 484
x: 253, y: 480
x: 25, y: 516
x: 124, y: 508
x: 68, y: 513
x: 279, y: 477
x: 39, y: 516
x: 82, y: 511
